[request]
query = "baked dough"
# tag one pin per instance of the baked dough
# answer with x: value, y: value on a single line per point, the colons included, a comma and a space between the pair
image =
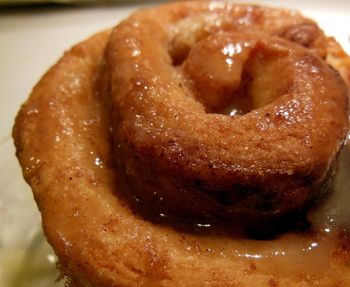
x: 63, y: 136
x: 180, y: 154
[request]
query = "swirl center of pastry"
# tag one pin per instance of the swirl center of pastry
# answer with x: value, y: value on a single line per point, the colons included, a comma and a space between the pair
x: 234, y: 73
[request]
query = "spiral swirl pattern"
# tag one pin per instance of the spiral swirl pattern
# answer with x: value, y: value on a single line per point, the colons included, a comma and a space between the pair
x: 173, y: 92
x: 201, y: 109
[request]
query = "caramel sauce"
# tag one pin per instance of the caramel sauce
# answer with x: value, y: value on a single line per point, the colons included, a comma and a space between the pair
x: 307, y: 252
x: 334, y: 212
x: 287, y: 255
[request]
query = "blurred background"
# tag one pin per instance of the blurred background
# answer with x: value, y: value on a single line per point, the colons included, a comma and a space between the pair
x: 33, y: 35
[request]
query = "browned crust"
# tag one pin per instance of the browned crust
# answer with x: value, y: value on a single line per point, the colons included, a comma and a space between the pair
x: 211, y: 165
x: 59, y: 133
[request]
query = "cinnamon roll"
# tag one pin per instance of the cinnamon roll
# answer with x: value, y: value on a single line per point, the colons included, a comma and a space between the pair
x: 156, y: 150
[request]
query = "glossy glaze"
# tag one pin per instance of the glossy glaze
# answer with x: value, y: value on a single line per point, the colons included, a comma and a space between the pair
x: 63, y: 139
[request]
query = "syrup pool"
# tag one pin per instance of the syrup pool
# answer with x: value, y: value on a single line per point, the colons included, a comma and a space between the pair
x: 311, y: 252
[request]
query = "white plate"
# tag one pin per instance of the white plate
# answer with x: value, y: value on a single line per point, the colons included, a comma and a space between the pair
x: 31, y: 41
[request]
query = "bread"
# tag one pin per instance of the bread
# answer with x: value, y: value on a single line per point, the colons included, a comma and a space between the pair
x: 92, y: 164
